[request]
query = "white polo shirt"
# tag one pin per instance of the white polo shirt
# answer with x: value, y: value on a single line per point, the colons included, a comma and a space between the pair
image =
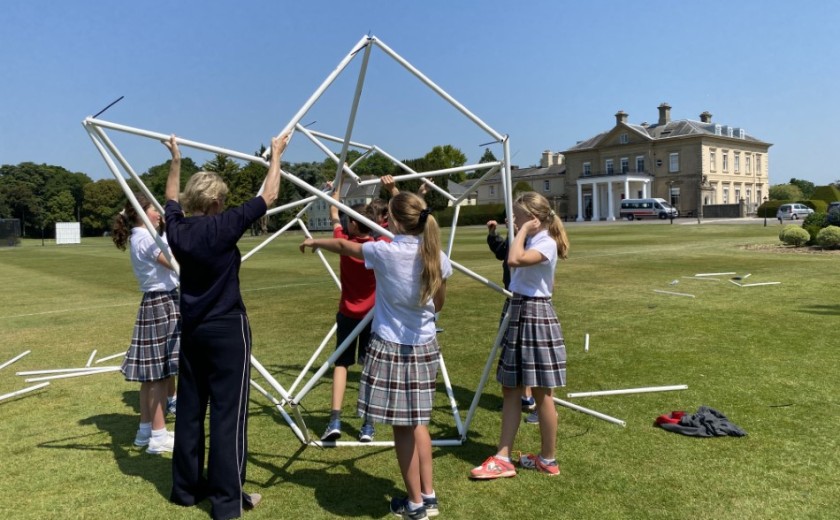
x: 397, y: 315
x: 537, y: 279
x: 144, y: 253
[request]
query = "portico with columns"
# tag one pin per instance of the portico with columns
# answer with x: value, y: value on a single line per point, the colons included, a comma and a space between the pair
x: 604, y: 199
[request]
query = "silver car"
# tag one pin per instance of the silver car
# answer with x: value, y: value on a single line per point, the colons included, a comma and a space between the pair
x: 793, y: 211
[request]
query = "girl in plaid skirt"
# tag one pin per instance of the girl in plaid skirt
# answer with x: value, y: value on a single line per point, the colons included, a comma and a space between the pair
x: 533, y: 350
x: 152, y: 358
x: 397, y: 384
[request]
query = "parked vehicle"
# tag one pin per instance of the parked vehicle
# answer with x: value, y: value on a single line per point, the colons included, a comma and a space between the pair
x: 833, y: 206
x: 639, y: 208
x: 793, y: 211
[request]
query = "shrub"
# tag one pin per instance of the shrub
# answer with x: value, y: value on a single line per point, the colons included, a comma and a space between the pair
x: 819, y: 206
x: 832, y: 218
x: 813, y: 223
x: 829, y: 236
x: 794, y: 235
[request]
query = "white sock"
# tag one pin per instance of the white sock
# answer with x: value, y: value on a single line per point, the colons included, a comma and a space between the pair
x: 414, y: 507
x: 506, y: 459
x: 146, y: 428
x: 546, y: 461
x: 425, y: 496
x: 159, y: 433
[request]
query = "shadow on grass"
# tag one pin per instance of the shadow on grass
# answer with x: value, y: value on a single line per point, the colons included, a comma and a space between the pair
x: 824, y: 310
x: 340, y: 487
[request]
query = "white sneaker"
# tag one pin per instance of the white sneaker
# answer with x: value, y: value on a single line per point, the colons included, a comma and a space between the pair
x: 162, y: 444
x: 142, y: 439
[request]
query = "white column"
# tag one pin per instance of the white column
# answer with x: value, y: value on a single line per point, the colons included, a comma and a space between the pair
x: 580, y: 202
x: 627, y: 190
x: 610, y: 212
x: 645, y: 189
x: 595, y: 208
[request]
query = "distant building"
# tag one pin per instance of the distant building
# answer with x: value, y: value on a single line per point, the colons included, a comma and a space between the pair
x: 547, y: 179
x: 688, y: 163
x: 318, y: 216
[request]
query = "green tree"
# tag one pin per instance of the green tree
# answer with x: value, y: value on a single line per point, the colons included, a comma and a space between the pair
x: 521, y: 187
x: 807, y: 187
x: 155, y: 177
x: 785, y: 192
x: 60, y: 208
x: 487, y: 157
x: 103, y: 199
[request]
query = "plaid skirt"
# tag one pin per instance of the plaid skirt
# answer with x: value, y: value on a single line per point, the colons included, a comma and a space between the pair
x: 397, y: 385
x: 533, y: 350
x: 156, y: 341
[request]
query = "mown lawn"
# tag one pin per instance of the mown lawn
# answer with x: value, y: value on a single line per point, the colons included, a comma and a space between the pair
x: 766, y: 356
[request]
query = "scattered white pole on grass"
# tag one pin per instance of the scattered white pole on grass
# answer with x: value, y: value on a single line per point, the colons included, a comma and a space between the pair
x: 66, y: 370
x: 72, y: 374
x: 713, y: 274
x: 108, y: 358
x: 9, y: 362
x: 702, y: 279
x: 757, y: 284
x: 673, y: 293
x: 90, y: 359
x: 586, y: 343
x: 736, y: 283
x: 25, y: 390
x: 628, y: 391
x: 587, y: 411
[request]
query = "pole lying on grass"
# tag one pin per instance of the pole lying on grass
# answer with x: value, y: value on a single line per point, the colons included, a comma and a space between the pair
x: 628, y: 391
x: 586, y: 343
x: 593, y: 413
x: 713, y: 274
x: 90, y: 359
x: 71, y: 374
x: 9, y: 362
x: 108, y: 358
x: 673, y: 293
x: 25, y: 390
x: 66, y: 370
x: 757, y: 284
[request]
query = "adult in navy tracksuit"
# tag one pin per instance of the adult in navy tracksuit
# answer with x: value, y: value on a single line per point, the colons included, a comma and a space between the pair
x: 216, y: 337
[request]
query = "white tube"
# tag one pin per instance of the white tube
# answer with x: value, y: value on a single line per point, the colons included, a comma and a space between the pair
x: 90, y: 359
x: 72, y: 374
x: 314, y: 356
x: 587, y: 411
x: 270, y: 379
x: 108, y: 358
x: 713, y: 274
x: 452, y: 228
x: 280, y: 409
x: 628, y: 391
x: 453, y: 404
x: 23, y: 391
x: 757, y: 284
x: 9, y: 362
x: 586, y: 343
x: 673, y: 293
x: 434, y: 173
x: 701, y: 279
x: 380, y: 444
x: 736, y: 283
x: 352, y: 119
x: 66, y: 370
x: 491, y: 357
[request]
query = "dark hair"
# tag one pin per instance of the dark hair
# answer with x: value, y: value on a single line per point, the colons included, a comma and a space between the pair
x: 379, y: 210
x: 127, y: 219
x: 365, y: 210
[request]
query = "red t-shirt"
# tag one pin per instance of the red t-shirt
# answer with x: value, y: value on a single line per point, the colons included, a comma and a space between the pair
x: 358, y: 284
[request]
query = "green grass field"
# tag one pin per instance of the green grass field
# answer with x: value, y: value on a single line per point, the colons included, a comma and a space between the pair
x: 766, y: 356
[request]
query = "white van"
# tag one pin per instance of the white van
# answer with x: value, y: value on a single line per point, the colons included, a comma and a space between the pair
x: 639, y: 208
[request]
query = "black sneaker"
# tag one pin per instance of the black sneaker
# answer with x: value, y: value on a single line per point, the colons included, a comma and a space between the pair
x: 399, y: 507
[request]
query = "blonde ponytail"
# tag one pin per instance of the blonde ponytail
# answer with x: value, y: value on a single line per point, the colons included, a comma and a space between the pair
x: 412, y: 215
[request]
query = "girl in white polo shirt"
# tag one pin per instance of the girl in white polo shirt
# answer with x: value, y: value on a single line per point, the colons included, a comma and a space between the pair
x: 397, y: 384
x: 533, y: 350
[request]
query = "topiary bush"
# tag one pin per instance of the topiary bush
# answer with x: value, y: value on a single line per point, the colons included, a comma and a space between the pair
x: 829, y: 237
x: 793, y: 235
x: 813, y: 223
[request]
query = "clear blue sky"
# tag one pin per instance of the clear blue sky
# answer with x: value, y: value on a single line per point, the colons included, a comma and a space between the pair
x: 548, y: 73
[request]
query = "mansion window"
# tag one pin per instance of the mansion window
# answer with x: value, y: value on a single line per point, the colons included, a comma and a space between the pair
x: 725, y: 158
x: 747, y: 164
x: 492, y: 191
x: 712, y: 160
x: 625, y: 164
x: 640, y: 163
x: 674, y: 162
x: 675, y: 196
x: 546, y: 185
x: 609, y: 167
x: 623, y: 139
x: 737, y: 162
x: 737, y: 194
x: 726, y: 195
x: 758, y: 169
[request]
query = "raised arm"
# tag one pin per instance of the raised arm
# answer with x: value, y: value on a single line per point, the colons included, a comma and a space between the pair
x: 334, y: 245
x: 390, y: 185
x: 334, y: 220
x: 271, y: 186
x: 173, y: 181
x: 518, y: 256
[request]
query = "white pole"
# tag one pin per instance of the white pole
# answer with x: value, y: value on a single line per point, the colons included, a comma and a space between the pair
x: 673, y: 293
x: 491, y: 357
x: 455, y: 215
x: 269, y: 239
x: 453, y: 404
x: 701, y: 279
x: 586, y: 343
x: 314, y: 356
x: 713, y: 274
x: 320, y: 254
x: 90, y: 359
x: 108, y: 358
x: 66, y: 370
x: 593, y: 413
x: 280, y: 409
x: 328, y: 137
x: 757, y: 284
x: 73, y: 374
x: 25, y: 390
x: 628, y: 391
x: 311, y: 135
x: 270, y: 379
x: 435, y: 173
x: 478, y: 183
x: 380, y: 444
x: 405, y: 167
x: 479, y: 278
x: 9, y: 362
x: 352, y: 119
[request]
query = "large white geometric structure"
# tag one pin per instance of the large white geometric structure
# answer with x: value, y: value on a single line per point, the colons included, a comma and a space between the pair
x: 291, y: 397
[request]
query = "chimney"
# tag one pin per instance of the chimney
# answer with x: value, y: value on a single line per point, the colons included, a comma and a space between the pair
x: 620, y: 117
x: 664, y: 113
x: 706, y: 117
x: 547, y: 159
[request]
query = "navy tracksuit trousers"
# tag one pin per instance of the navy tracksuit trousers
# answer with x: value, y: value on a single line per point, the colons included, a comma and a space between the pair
x: 215, y: 367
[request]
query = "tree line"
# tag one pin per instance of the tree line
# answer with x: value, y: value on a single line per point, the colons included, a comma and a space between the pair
x: 39, y: 195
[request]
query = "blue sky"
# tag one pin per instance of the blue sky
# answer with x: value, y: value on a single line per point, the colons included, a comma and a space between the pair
x: 547, y: 73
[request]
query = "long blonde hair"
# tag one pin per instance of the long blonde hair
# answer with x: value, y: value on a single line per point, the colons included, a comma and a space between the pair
x: 538, y: 206
x: 413, y: 217
x: 202, y: 190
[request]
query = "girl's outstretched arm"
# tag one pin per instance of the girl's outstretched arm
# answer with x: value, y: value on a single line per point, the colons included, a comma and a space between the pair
x: 333, y: 245
x: 173, y: 181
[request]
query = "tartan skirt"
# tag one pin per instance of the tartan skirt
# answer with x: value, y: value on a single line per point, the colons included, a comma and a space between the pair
x: 533, y: 349
x: 397, y: 385
x: 156, y: 341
